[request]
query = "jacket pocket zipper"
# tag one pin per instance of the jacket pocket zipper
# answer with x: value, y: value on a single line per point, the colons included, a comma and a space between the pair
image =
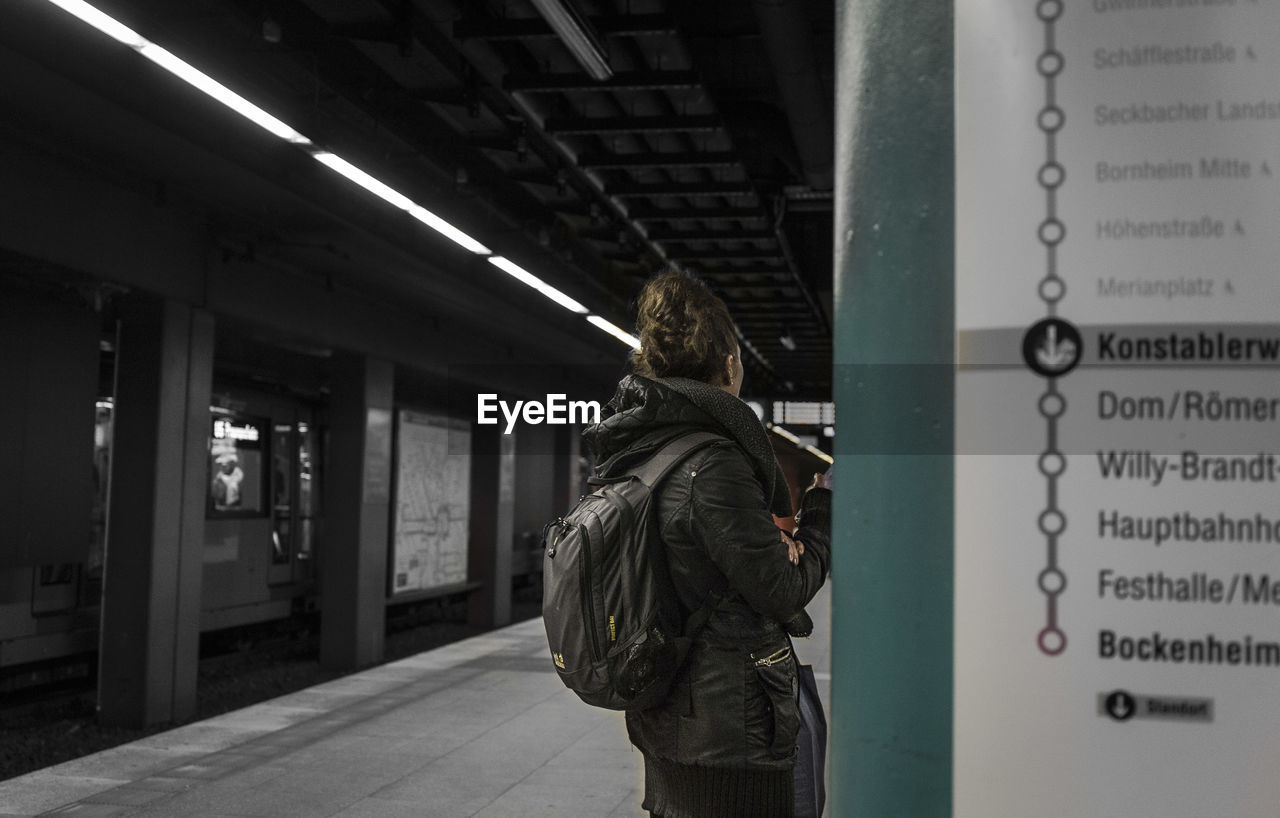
x: 588, y: 609
x: 780, y: 655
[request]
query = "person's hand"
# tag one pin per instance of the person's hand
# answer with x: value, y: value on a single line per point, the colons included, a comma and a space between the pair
x: 794, y: 549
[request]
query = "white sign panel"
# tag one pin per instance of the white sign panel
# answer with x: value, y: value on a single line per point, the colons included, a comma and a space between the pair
x: 1118, y: 408
x: 432, y: 505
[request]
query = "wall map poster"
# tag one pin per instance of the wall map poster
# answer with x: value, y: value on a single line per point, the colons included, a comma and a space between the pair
x: 1117, y: 617
x: 432, y: 503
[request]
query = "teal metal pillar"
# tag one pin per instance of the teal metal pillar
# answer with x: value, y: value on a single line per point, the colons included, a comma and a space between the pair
x: 892, y: 570
x: 150, y: 637
x: 353, y: 554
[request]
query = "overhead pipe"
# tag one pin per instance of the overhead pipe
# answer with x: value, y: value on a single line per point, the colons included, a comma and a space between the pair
x: 785, y: 246
x: 784, y: 28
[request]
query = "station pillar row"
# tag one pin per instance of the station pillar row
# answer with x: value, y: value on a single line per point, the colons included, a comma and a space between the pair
x: 150, y: 634
x: 353, y: 556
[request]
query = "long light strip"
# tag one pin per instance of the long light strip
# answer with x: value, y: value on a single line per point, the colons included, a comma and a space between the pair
x: 180, y: 69
x: 384, y: 192
x: 621, y: 334
x: 221, y: 93
x: 448, y: 231
x: 395, y: 198
x: 525, y: 277
x: 577, y: 36
x: 203, y: 82
x: 102, y: 22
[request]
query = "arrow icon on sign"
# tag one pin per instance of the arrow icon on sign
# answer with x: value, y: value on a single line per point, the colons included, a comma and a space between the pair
x: 1055, y: 354
x: 1120, y: 705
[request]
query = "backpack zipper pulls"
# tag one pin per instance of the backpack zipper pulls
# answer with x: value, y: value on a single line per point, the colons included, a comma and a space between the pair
x: 562, y: 525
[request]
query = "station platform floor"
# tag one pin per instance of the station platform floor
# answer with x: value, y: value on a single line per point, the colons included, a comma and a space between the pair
x: 478, y: 728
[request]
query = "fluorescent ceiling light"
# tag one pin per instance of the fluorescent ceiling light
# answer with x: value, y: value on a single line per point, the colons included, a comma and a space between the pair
x: 203, y: 82
x: 577, y: 35
x: 622, y: 335
x: 448, y: 231
x: 180, y: 69
x: 221, y: 93
x: 525, y: 277
x: 397, y: 199
x: 819, y: 453
x: 344, y: 168
x: 107, y: 25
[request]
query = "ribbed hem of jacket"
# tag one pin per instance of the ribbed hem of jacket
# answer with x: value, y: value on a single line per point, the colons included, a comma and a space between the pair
x: 675, y: 790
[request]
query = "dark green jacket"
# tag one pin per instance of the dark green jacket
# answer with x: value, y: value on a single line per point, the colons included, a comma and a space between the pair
x: 733, y: 704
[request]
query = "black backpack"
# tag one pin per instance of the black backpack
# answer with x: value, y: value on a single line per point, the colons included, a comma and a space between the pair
x: 616, y: 630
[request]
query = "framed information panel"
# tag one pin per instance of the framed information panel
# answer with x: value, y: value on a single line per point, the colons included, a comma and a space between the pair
x: 432, y: 503
x: 1117, y: 617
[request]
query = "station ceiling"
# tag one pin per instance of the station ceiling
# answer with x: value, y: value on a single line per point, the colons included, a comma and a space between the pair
x: 701, y: 136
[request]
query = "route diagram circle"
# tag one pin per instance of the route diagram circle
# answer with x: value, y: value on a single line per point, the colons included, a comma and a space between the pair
x: 1052, y: 641
x: 1052, y: 405
x: 1052, y: 464
x: 1052, y: 289
x: 1052, y: 581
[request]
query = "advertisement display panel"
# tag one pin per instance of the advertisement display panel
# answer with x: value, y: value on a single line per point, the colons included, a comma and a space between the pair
x: 1117, y: 618
x: 432, y: 503
x: 237, y: 479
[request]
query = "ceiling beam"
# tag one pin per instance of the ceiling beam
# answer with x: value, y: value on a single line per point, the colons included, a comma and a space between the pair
x: 756, y: 302
x: 710, y: 159
x: 770, y: 311
x: 704, y: 214
x: 728, y: 255
x: 564, y: 126
x: 776, y: 271
x: 624, y: 81
x: 630, y: 190
x: 374, y: 31
x: 456, y: 96
x: 662, y: 236
x: 530, y: 28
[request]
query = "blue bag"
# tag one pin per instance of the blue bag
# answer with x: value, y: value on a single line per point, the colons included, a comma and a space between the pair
x: 811, y: 758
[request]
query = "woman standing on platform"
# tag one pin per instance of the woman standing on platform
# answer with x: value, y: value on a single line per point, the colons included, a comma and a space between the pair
x: 723, y: 745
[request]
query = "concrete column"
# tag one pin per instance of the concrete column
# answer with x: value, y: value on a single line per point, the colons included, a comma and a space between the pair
x: 493, y: 482
x: 149, y: 647
x: 568, y: 448
x: 892, y: 569
x: 353, y: 556
x: 537, y: 494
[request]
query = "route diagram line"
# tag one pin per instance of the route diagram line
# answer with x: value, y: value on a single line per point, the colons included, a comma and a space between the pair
x: 1051, y: 522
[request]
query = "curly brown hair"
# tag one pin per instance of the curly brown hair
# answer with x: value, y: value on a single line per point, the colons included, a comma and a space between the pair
x: 685, y: 330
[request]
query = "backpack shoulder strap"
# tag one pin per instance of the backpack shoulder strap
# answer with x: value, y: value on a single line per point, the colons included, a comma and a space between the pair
x: 651, y: 473
x: 665, y: 459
